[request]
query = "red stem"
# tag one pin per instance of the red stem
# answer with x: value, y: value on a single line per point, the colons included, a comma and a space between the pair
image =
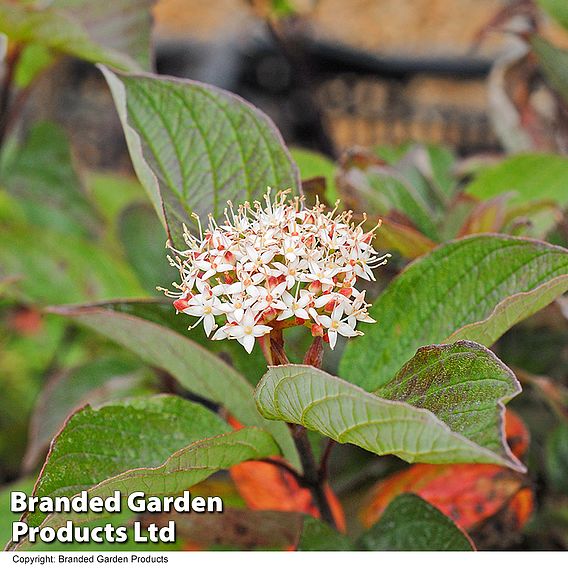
x: 312, y: 474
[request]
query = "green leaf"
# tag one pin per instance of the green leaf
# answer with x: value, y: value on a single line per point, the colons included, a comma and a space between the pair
x: 195, y: 146
x: 474, y: 288
x: 401, y: 196
x: 558, y: 9
x: 160, y: 311
x: 184, y: 468
x: 312, y: 164
x: 198, y: 370
x: 445, y: 406
x: 95, y: 445
x: 112, y: 192
x: 143, y: 239
x: 410, y: 523
x: 528, y: 176
x: 439, y: 168
x: 115, y: 33
x: 317, y: 535
x: 95, y: 382
x: 33, y: 60
x: 57, y: 267
x: 557, y: 458
x: 40, y: 174
x: 26, y: 485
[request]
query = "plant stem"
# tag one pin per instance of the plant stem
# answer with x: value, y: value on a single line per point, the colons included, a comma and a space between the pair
x: 312, y: 477
x: 312, y: 474
x: 323, y: 468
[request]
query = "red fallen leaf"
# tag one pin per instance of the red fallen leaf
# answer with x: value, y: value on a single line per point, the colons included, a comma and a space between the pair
x: 468, y: 493
x: 267, y: 487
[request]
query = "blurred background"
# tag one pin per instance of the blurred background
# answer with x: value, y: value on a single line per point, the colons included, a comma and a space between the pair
x: 336, y: 74
x: 382, y: 101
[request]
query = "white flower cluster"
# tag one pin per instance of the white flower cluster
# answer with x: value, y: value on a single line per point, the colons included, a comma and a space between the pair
x: 276, y: 266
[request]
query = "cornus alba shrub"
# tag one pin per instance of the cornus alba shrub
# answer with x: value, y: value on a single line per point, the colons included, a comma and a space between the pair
x: 275, y: 266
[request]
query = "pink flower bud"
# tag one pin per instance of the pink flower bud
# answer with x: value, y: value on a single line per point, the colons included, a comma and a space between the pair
x: 181, y: 304
x: 315, y: 287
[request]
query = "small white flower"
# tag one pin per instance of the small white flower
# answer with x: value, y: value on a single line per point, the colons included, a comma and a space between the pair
x: 335, y: 325
x: 245, y: 330
x: 290, y: 271
x: 295, y: 307
x: 269, y: 297
x: 292, y: 249
x: 205, y: 307
x: 212, y: 266
x: 357, y: 310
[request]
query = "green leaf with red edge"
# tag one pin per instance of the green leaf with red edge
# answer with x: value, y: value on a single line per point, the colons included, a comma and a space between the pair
x: 162, y: 445
x: 410, y: 523
x: 182, y: 469
x: 196, y: 368
x: 474, y: 288
x: 407, y: 240
x: 487, y: 217
x: 195, y: 146
x: 444, y: 406
x: 145, y: 431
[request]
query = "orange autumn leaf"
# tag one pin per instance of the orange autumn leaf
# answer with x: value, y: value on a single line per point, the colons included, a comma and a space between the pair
x: 517, y: 435
x: 468, y: 493
x: 521, y: 507
x: 267, y: 487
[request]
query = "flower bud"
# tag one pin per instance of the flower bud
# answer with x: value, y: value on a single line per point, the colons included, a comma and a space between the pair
x: 317, y: 330
x: 315, y: 287
x: 330, y: 306
x: 269, y: 314
x: 181, y: 304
